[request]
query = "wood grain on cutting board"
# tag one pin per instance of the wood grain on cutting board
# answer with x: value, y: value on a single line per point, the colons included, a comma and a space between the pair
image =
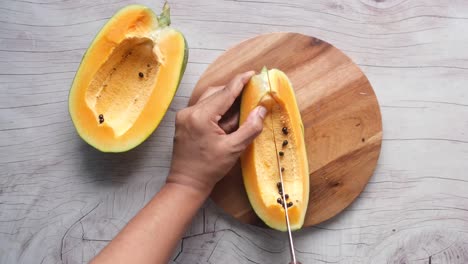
x: 340, y: 112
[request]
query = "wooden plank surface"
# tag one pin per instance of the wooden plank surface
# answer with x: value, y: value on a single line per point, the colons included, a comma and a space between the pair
x: 61, y: 201
x: 340, y: 116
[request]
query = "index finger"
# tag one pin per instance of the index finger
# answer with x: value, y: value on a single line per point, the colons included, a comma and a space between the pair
x: 223, y: 99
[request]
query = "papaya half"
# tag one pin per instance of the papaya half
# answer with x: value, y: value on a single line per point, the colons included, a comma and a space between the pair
x: 127, y: 79
x: 282, y: 139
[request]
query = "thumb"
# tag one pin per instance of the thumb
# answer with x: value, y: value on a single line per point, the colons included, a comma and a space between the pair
x: 250, y: 129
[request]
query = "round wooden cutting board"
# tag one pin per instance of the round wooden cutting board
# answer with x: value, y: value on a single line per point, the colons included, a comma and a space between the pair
x: 340, y: 112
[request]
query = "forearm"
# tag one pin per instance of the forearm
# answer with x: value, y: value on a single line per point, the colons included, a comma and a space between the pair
x: 151, y: 236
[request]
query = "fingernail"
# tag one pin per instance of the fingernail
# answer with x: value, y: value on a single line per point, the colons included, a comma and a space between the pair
x: 249, y: 73
x: 262, y: 111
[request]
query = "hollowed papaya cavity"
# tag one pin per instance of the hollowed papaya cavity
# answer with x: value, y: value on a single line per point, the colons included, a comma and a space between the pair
x: 127, y: 79
x: 279, y: 148
x: 123, y: 85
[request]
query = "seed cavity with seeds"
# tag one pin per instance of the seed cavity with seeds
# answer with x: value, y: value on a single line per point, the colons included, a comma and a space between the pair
x: 111, y: 92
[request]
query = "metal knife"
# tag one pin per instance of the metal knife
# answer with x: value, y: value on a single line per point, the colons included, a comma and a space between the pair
x: 285, y: 206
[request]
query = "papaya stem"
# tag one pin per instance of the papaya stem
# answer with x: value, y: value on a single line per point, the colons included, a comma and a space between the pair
x: 165, y: 17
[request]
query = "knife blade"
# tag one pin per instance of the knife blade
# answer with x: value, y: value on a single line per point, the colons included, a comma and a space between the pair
x: 283, y: 193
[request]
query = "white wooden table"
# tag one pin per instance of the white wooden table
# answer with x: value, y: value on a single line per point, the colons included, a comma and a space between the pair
x: 61, y: 201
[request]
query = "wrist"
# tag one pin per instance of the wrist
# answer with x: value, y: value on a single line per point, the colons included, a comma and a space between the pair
x: 188, y: 184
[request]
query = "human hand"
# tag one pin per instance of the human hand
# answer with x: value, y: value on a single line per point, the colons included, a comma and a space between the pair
x: 207, y: 142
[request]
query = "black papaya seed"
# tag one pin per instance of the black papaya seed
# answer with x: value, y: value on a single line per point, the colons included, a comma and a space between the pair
x: 290, y: 204
x: 282, y: 169
x: 285, y: 130
x: 286, y: 196
x: 285, y: 142
x: 279, y: 200
x: 101, y: 118
x: 141, y: 75
x: 281, y: 153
